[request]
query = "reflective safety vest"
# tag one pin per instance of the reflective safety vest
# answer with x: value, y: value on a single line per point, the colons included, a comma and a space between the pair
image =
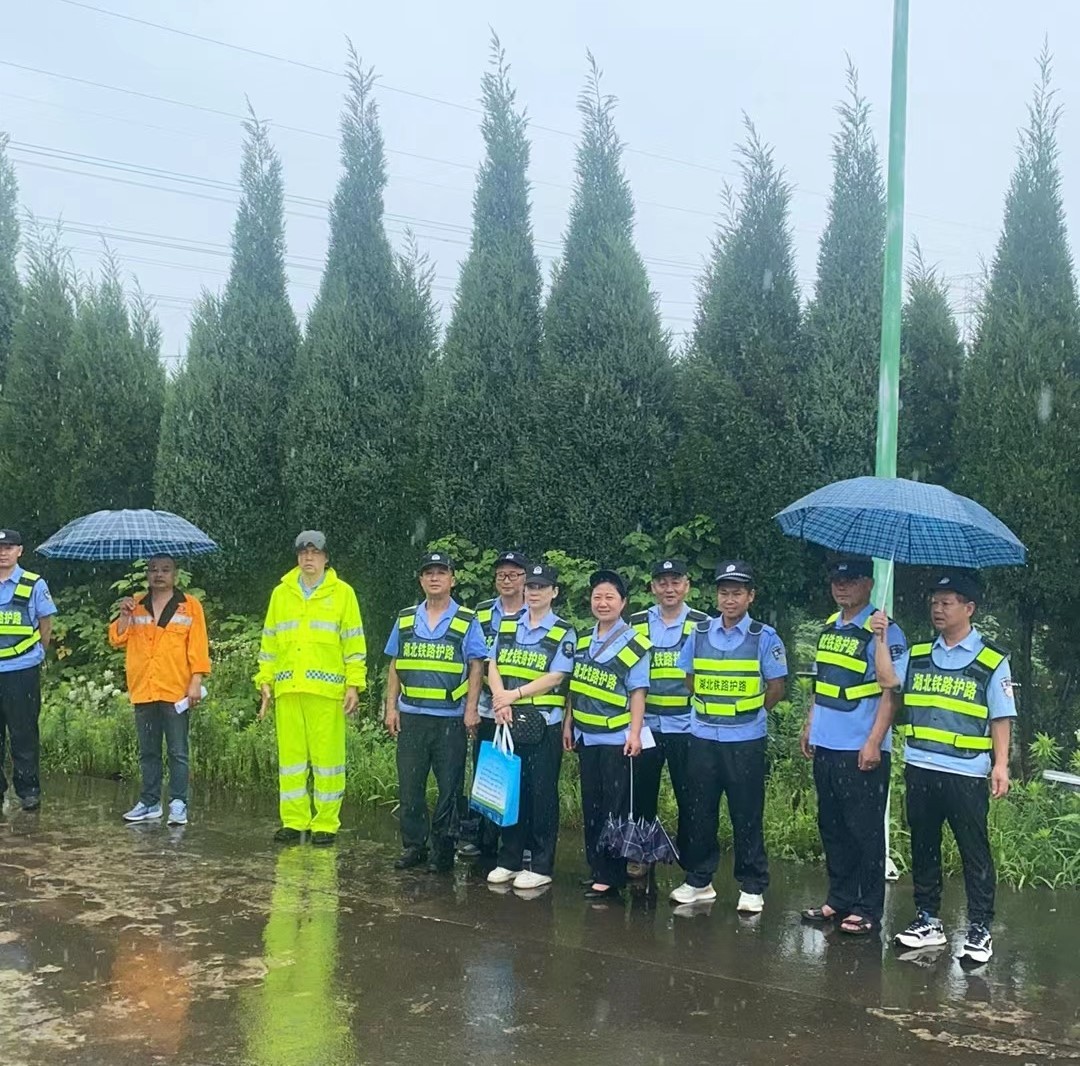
x: 945, y: 711
x: 728, y: 685
x: 485, y: 615
x: 667, y: 683
x: 599, y: 698
x: 18, y: 632
x: 842, y: 666
x: 433, y: 672
x: 527, y: 662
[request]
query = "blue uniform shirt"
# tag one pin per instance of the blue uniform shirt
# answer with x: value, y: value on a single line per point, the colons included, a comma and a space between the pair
x: 304, y: 590
x: 497, y: 616
x: 473, y: 646
x: 41, y: 606
x: 637, y: 677
x: 773, y: 658
x: 563, y: 661
x: 667, y: 635
x: 999, y: 700
x: 849, y: 730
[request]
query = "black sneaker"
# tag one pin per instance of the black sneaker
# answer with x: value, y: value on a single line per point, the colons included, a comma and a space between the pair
x: 285, y: 835
x: 925, y: 932
x: 441, y: 864
x: 323, y: 840
x: 31, y: 803
x: 978, y: 944
x: 409, y: 858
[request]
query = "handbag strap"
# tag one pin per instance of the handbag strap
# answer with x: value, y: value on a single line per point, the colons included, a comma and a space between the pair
x: 504, y: 739
x: 618, y: 632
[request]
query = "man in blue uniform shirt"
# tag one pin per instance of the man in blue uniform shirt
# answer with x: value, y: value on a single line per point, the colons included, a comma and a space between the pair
x: 848, y: 737
x: 479, y: 835
x: 26, y: 618
x: 668, y: 624
x: 437, y: 652
x: 957, y: 720
x: 735, y: 668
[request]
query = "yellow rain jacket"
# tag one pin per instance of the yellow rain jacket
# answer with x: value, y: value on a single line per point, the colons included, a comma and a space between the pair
x: 315, y: 644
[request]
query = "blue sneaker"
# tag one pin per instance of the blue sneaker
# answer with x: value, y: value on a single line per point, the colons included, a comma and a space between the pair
x: 177, y: 812
x: 142, y: 813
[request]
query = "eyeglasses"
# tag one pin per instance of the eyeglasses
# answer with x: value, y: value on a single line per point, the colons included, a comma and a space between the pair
x: 509, y: 575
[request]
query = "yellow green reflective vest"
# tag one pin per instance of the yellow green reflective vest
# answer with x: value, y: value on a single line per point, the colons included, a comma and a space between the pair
x: 842, y: 666
x: 433, y: 671
x: 518, y: 664
x: 18, y: 632
x: 728, y: 685
x: 599, y: 698
x: 667, y: 683
x: 946, y: 711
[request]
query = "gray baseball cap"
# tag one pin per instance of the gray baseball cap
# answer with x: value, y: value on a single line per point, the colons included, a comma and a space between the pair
x: 311, y: 538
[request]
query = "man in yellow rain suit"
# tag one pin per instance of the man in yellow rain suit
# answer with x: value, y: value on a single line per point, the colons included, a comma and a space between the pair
x: 312, y: 664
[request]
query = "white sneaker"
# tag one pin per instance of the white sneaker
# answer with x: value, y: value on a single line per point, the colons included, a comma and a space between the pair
x: 750, y: 903
x: 177, y: 812
x: 527, y: 879
x: 689, y: 894
x: 142, y: 813
x: 502, y: 876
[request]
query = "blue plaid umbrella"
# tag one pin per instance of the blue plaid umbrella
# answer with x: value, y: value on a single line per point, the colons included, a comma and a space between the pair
x: 906, y: 521
x: 122, y: 536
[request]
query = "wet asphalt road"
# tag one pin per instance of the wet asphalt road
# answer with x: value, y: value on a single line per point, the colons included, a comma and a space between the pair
x: 210, y: 945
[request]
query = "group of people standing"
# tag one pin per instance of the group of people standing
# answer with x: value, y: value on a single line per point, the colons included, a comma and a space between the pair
x: 668, y: 686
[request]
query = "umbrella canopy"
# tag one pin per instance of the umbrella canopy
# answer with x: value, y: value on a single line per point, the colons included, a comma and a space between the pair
x: 122, y: 536
x: 906, y: 521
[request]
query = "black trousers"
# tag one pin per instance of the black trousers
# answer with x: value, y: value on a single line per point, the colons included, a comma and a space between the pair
x: 427, y: 744
x: 20, y: 708
x: 672, y: 750
x: 933, y: 798
x: 475, y: 828
x: 851, y: 820
x: 605, y: 790
x: 537, y: 827
x: 715, y: 769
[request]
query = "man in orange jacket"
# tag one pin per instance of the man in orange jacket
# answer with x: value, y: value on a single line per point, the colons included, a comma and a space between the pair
x: 167, y: 657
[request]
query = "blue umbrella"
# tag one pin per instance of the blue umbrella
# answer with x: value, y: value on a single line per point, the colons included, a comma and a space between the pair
x: 905, y: 521
x: 122, y: 536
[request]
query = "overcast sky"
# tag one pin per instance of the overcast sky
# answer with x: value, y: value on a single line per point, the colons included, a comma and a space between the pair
x: 684, y: 71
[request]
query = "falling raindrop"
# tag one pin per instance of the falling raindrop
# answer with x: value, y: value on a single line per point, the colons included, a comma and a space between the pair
x: 1046, y: 400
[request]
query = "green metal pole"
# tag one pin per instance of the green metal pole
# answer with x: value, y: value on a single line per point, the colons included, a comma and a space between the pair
x: 892, y: 286
x: 891, y: 296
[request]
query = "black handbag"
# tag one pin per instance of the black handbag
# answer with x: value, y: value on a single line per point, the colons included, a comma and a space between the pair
x: 527, y: 727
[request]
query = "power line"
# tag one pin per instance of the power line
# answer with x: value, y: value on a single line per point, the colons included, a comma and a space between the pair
x: 313, y: 67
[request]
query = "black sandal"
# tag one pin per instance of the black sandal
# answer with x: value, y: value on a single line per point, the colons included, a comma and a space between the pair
x: 856, y: 925
x: 819, y: 917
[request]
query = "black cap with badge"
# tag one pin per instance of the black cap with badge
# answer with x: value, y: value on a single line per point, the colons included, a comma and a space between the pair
x: 963, y: 582
x: 10, y: 536
x: 610, y: 577
x: 735, y: 570
x: 539, y: 574
x: 851, y: 568
x: 432, y: 560
x: 669, y: 566
x: 511, y: 558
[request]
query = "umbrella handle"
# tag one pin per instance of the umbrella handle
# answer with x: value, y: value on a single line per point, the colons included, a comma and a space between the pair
x: 631, y: 761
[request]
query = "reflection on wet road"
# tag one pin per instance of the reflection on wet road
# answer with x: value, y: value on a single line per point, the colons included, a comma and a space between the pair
x: 210, y: 945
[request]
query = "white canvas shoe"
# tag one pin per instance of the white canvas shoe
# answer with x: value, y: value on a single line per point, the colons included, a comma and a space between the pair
x: 527, y: 879
x: 690, y: 894
x: 750, y: 903
x: 502, y: 876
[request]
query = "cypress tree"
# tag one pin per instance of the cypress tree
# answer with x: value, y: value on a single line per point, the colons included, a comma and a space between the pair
x: 111, y: 394
x: 489, y: 361
x: 599, y: 458
x: 30, y: 411
x: 843, y: 325
x: 352, y: 468
x: 10, y: 291
x: 932, y: 362
x: 223, y: 472
x: 1019, y: 417
x: 739, y: 458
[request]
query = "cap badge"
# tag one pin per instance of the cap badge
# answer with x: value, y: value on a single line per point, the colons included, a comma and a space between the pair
x: 538, y: 569
x: 667, y: 565
x: 436, y: 558
x: 730, y: 568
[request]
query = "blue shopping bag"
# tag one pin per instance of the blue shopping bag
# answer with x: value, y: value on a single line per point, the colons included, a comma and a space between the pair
x: 496, y: 787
